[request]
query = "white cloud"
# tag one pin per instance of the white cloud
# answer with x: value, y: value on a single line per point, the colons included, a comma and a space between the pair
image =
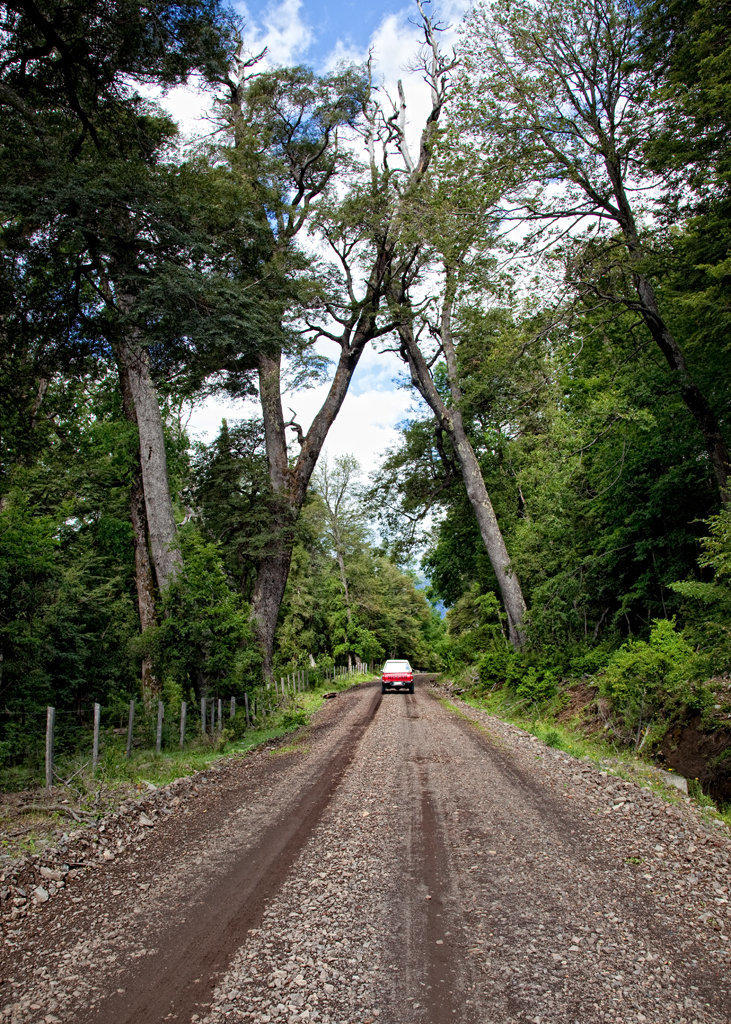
x: 345, y: 51
x: 282, y: 30
x: 190, y: 105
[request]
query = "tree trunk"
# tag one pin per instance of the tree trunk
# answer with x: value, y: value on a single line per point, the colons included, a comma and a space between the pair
x: 144, y: 580
x: 492, y: 538
x: 134, y: 368
x: 346, y: 595
x: 450, y: 419
x: 273, y: 569
x: 269, y: 587
x: 694, y: 399
x: 144, y: 583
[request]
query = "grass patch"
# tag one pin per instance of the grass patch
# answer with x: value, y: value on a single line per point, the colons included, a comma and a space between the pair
x: 493, y: 738
x: 290, y: 748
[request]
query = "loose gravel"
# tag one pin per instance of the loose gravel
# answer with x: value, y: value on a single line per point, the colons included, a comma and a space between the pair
x: 432, y: 867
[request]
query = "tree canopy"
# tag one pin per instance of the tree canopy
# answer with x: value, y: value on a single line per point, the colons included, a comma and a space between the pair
x: 546, y: 253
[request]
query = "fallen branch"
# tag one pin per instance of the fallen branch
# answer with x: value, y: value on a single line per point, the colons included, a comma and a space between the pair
x: 50, y: 808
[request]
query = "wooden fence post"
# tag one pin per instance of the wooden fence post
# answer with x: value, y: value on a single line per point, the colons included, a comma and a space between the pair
x: 183, y: 714
x: 203, y: 715
x: 95, y: 746
x: 50, y: 723
x: 130, y: 727
x: 160, y: 716
x: 213, y: 715
x: 233, y: 708
x: 246, y: 709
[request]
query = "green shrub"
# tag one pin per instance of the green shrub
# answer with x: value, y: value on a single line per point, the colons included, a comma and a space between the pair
x: 537, y: 686
x: 493, y: 667
x: 552, y: 738
x: 647, y: 679
x: 293, y: 718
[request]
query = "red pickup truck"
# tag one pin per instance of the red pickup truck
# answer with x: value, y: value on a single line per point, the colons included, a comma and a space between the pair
x: 397, y: 675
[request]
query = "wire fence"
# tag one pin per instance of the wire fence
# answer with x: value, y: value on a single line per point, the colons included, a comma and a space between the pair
x: 159, y: 726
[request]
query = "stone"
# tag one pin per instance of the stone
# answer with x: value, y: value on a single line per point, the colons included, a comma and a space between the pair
x: 52, y: 874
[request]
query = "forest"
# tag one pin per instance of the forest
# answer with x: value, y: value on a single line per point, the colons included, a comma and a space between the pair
x: 545, y: 250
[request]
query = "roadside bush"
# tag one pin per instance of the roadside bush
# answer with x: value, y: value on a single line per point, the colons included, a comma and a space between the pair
x: 588, y: 660
x: 552, y: 738
x: 525, y: 673
x: 493, y: 667
x: 536, y: 685
x: 294, y: 717
x: 648, y: 680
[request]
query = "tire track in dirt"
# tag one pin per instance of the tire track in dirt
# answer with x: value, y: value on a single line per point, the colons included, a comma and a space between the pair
x: 428, y: 941
x: 557, y: 926
x: 163, y: 987
x: 407, y: 866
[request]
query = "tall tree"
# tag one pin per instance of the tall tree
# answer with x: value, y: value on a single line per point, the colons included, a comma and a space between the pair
x: 287, y: 138
x: 448, y: 410
x: 446, y: 256
x: 125, y: 239
x: 557, y: 96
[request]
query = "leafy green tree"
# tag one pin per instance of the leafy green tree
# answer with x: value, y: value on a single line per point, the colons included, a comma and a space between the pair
x: 204, y: 642
x: 346, y: 528
x: 706, y: 610
x: 685, y: 48
x: 558, y: 97
x: 67, y: 614
x: 114, y: 252
x: 614, y: 484
x: 232, y: 496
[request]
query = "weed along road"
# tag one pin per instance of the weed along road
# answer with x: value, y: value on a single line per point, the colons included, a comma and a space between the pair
x: 399, y: 860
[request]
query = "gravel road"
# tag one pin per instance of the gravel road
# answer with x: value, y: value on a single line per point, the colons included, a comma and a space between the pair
x: 397, y: 862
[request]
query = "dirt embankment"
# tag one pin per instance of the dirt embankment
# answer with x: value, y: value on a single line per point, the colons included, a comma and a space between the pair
x: 694, y: 748
x: 397, y: 863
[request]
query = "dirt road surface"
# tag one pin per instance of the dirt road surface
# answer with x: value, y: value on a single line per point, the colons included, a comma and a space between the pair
x: 397, y: 862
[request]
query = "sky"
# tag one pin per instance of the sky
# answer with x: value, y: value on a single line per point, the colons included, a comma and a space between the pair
x: 320, y: 33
